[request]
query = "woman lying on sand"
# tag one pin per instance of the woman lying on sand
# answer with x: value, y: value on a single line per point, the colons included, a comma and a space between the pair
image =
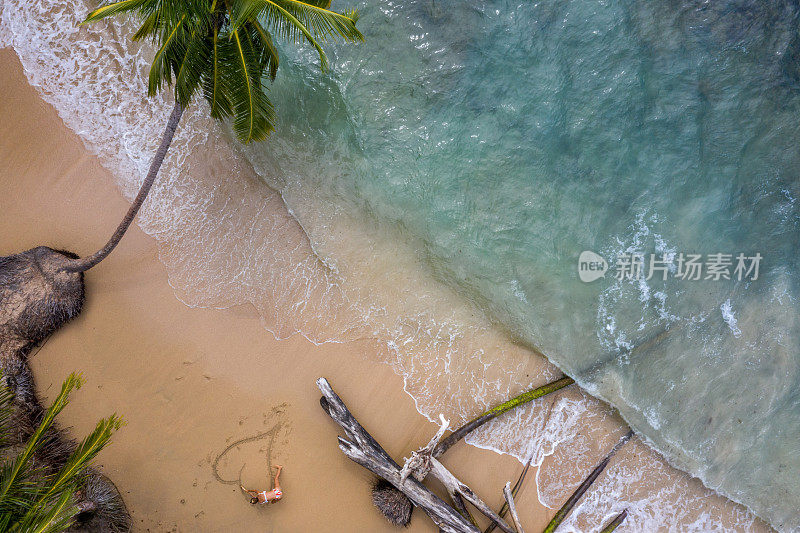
x: 266, y: 497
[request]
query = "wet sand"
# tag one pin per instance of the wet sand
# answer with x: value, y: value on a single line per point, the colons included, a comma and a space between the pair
x: 191, y: 382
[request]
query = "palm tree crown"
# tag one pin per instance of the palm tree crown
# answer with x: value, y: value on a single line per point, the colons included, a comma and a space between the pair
x: 224, y: 48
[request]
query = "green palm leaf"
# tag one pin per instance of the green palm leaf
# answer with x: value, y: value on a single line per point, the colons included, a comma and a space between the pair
x: 253, y: 112
x: 323, y: 22
x: 213, y: 81
x: 58, y: 517
x: 148, y: 27
x: 37, y: 496
x: 269, y: 50
x: 192, y: 67
x: 161, y: 69
x: 11, y: 480
x: 113, y: 9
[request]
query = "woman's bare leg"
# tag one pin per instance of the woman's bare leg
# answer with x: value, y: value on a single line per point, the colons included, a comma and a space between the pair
x: 277, y: 483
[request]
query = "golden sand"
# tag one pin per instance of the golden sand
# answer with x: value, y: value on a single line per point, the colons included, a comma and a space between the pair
x: 191, y: 382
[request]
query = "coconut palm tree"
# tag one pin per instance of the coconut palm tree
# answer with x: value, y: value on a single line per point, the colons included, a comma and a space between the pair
x: 223, y: 49
x: 35, y: 496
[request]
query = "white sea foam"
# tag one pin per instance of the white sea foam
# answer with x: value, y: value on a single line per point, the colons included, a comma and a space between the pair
x: 729, y: 317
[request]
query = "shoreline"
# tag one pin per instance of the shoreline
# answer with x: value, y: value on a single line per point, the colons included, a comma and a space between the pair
x: 177, y: 352
x: 203, y: 377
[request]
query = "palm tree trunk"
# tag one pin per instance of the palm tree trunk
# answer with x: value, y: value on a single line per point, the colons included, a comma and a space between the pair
x: 85, y: 263
x: 446, y: 443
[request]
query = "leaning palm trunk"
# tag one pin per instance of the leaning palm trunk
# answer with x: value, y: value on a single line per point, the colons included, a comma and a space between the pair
x: 446, y: 443
x: 396, y: 506
x: 562, y: 513
x: 85, y: 263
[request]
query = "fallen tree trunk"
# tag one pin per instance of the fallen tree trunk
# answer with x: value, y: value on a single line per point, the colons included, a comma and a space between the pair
x: 444, y: 516
x: 493, y: 413
x: 583, y: 487
x: 363, y: 449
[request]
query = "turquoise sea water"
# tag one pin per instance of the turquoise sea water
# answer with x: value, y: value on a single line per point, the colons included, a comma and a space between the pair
x: 510, y: 137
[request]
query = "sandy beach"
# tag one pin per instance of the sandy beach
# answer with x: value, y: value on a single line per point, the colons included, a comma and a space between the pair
x: 191, y: 382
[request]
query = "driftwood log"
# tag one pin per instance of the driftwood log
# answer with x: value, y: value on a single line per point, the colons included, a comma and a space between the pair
x: 363, y: 449
x: 396, y: 507
x: 512, y: 508
x: 562, y: 513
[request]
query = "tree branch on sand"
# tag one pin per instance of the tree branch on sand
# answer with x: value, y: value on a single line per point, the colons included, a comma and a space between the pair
x: 514, y: 490
x: 583, y: 487
x: 363, y: 449
x: 396, y: 507
x: 512, y: 508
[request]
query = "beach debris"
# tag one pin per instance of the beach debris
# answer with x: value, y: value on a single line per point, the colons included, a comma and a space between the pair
x: 420, y: 461
x: 494, y: 412
x: 391, y: 499
x: 514, y: 490
x: 363, y: 449
x: 36, y: 297
x: 406, y: 481
x: 455, y: 487
x: 614, y: 524
x: 512, y: 508
x: 562, y: 513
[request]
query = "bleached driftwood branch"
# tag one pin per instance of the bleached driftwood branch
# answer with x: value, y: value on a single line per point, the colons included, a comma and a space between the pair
x: 512, y: 508
x: 422, y: 462
x: 419, y: 464
x: 363, y: 449
x: 454, y: 486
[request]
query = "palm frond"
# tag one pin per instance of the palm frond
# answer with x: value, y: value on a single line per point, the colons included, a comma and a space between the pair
x: 57, y: 517
x: 113, y: 9
x: 13, y: 476
x: 270, y: 52
x: 213, y: 81
x: 72, y: 472
x: 225, y: 48
x: 161, y: 69
x: 192, y: 67
x: 148, y: 27
x: 289, y: 27
x: 324, y: 23
x: 37, y: 495
x: 253, y: 112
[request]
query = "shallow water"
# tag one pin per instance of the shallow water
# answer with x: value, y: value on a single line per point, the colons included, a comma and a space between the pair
x: 449, y: 173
